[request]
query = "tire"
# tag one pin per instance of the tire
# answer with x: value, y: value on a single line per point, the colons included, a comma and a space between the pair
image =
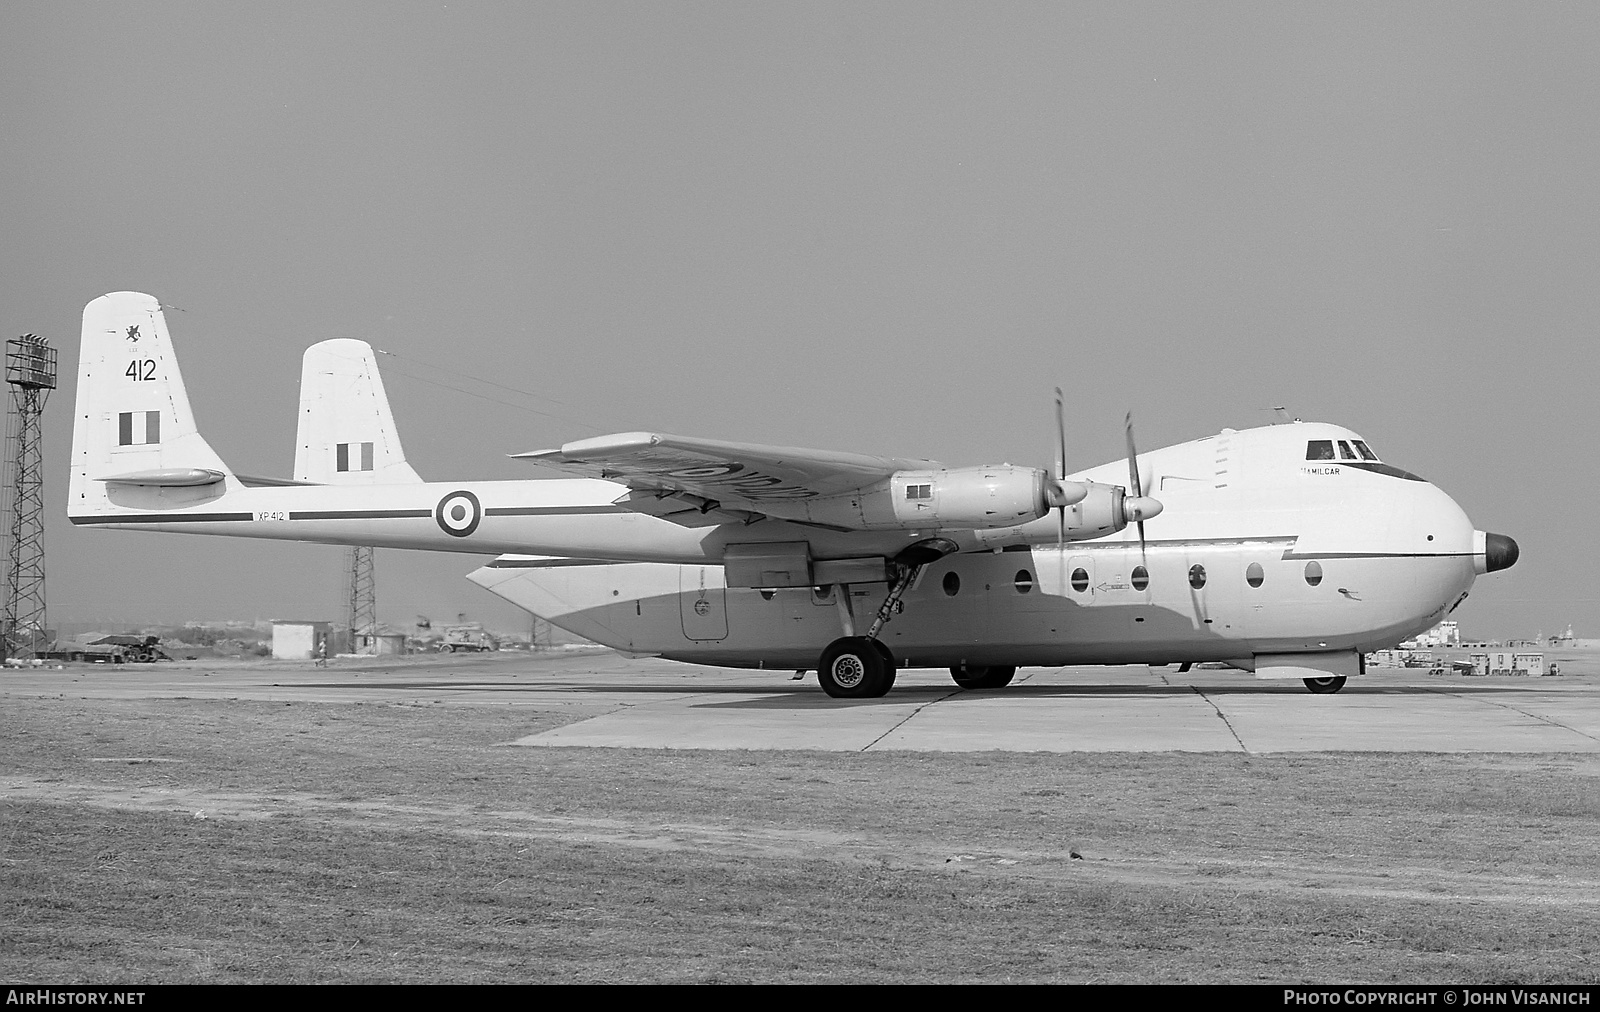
x: 1325, y: 686
x: 970, y: 676
x: 890, y: 665
x: 1000, y: 676
x: 853, y: 668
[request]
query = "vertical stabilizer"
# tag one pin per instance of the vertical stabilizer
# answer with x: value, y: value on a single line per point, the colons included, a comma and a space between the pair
x: 132, y: 423
x: 347, y: 434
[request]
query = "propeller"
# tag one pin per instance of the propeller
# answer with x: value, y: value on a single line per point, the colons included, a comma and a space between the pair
x: 1061, y: 493
x: 1138, y: 507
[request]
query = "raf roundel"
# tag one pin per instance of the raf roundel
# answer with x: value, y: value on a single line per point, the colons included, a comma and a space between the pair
x: 458, y: 514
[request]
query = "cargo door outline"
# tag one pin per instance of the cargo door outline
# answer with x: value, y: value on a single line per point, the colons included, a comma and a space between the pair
x: 702, y: 609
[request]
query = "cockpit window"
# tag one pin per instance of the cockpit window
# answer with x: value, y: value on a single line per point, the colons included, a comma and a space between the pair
x: 1345, y: 453
x: 1319, y: 449
x: 1366, y: 454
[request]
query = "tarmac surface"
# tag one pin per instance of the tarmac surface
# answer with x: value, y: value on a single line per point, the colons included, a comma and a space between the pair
x: 617, y: 702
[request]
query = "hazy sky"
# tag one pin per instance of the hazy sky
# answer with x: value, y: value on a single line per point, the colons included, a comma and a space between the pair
x: 888, y: 228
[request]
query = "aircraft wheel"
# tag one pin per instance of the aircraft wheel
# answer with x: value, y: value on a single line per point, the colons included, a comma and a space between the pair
x: 970, y: 676
x: 890, y: 665
x: 1000, y: 676
x: 1331, y: 684
x: 852, y: 668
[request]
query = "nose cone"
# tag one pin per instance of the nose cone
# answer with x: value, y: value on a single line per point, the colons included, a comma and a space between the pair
x: 1499, y: 552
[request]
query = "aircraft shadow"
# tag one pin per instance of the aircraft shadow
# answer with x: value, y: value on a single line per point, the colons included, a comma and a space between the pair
x: 808, y: 696
x: 776, y: 699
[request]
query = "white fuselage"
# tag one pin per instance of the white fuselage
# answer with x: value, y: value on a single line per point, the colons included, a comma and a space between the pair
x: 1352, y: 557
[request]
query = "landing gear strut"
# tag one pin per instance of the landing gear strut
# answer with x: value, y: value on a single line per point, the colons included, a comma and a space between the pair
x: 862, y: 667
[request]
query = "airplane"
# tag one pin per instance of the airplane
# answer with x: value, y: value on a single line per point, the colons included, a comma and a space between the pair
x: 1289, y: 550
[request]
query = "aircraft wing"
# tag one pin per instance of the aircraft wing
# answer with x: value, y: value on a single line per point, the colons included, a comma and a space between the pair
x: 703, y: 482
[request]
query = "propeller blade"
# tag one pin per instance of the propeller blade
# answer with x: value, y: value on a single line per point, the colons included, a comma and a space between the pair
x: 1134, y: 485
x: 1139, y: 507
x: 1061, y: 473
x: 1061, y: 439
x: 1061, y: 493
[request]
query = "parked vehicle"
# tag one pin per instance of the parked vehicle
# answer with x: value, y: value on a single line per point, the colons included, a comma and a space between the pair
x: 113, y: 648
x: 470, y: 637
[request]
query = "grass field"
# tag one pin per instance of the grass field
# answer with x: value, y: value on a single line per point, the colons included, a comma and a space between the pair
x: 227, y: 841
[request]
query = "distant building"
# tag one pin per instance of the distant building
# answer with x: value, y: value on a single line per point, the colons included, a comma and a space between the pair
x: 383, y: 640
x: 299, y: 641
x: 1508, y: 662
x: 1446, y: 634
x: 1566, y: 639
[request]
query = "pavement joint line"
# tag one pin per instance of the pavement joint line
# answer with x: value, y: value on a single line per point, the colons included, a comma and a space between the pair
x: 908, y: 717
x: 1228, y: 723
x: 1025, y: 679
x: 1513, y: 709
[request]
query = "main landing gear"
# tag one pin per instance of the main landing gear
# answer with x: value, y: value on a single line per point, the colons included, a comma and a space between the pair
x: 862, y: 667
x: 1333, y: 683
x: 856, y: 667
x: 972, y: 676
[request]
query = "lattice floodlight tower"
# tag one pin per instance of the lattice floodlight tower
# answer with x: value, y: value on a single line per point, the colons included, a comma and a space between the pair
x: 31, y: 374
x: 363, y: 602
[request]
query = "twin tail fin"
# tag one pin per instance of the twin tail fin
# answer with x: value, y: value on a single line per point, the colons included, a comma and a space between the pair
x: 135, y: 445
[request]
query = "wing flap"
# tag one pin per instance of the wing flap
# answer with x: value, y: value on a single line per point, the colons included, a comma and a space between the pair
x: 740, y: 476
x: 684, y: 508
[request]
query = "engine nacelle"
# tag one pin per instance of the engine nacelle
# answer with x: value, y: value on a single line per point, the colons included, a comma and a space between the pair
x: 977, y: 497
x: 971, y: 498
x: 1099, y: 513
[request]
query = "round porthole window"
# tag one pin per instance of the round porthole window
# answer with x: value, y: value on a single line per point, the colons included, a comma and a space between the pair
x: 1140, y: 578
x: 1255, y: 575
x: 1080, y: 580
x: 1024, y: 581
x: 1313, y: 573
x: 1197, y: 577
x: 952, y: 584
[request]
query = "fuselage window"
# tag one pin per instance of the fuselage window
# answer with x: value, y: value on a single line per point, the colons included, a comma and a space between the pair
x: 1313, y: 573
x: 1345, y: 453
x: 919, y: 491
x: 1254, y: 574
x: 1024, y: 581
x: 952, y: 584
x: 1140, y: 577
x: 1197, y: 577
x: 1319, y: 449
x: 1080, y: 580
x: 1361, y: 448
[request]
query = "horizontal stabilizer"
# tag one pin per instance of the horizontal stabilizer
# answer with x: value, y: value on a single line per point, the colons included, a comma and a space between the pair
x: 168, y: 477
